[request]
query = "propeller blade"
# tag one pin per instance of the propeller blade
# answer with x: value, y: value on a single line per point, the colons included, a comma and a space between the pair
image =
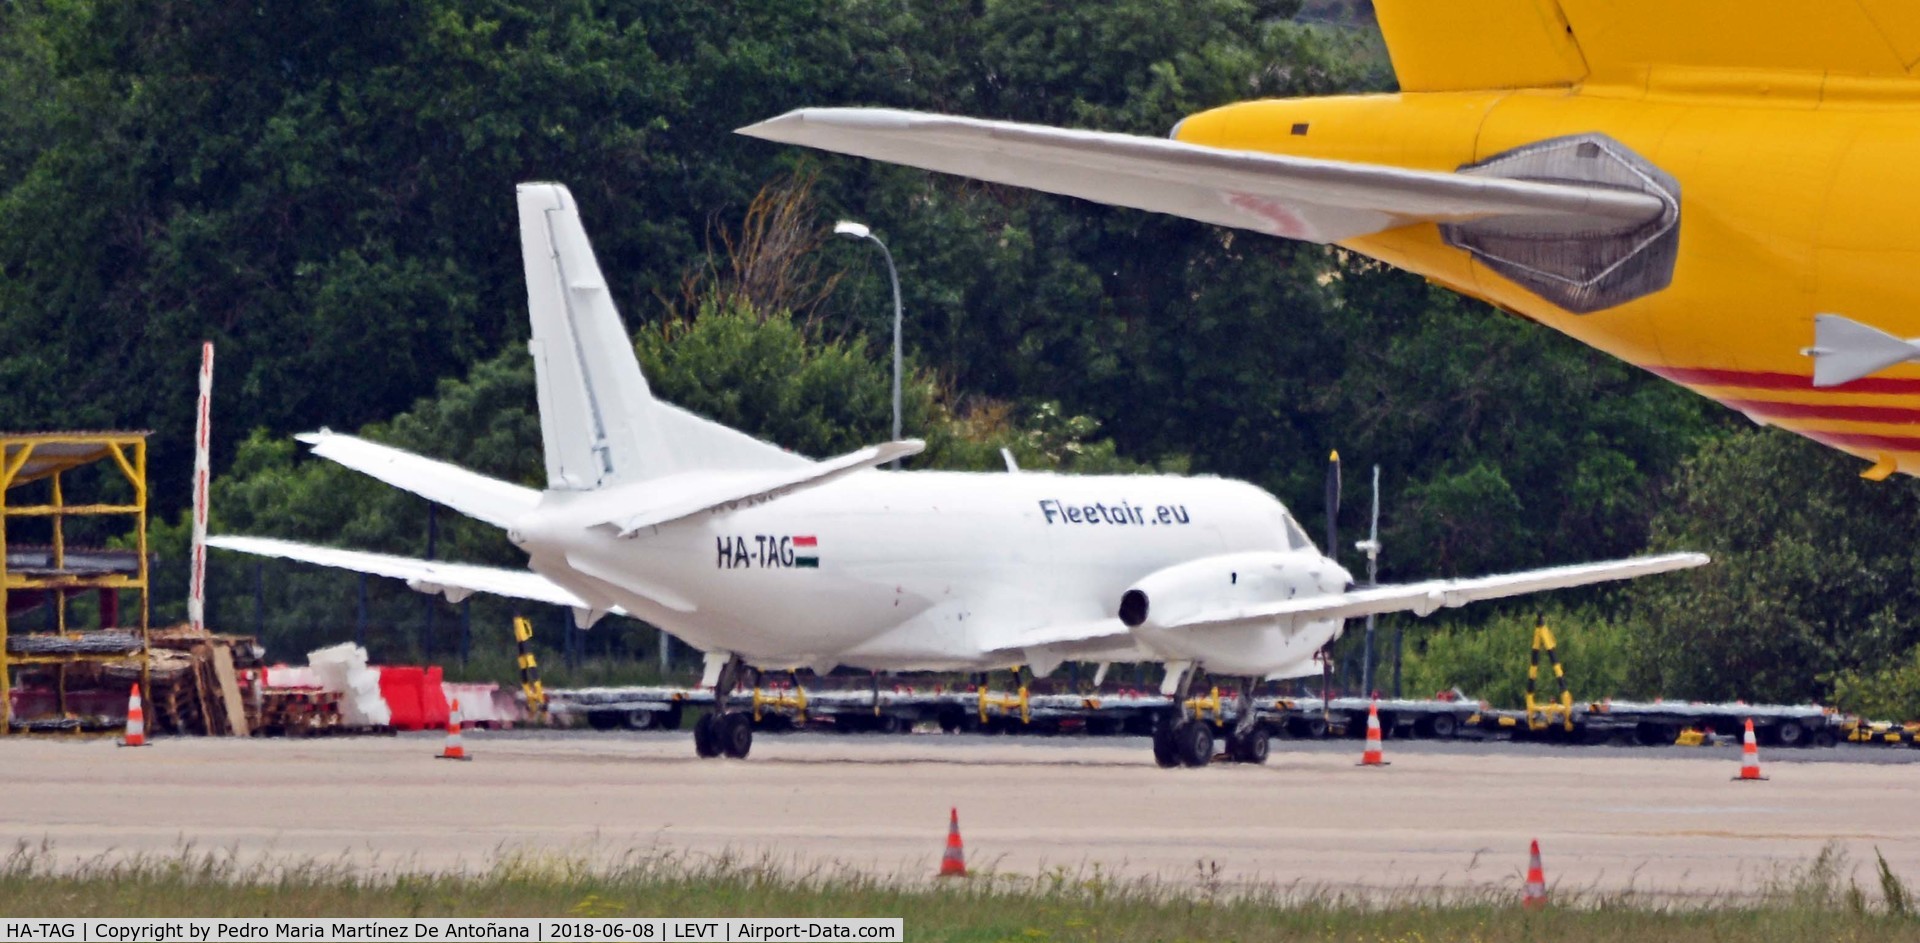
x: 1333, y: 506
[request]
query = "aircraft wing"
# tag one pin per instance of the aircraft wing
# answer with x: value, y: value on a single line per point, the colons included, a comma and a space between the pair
x: 1092, y: 633
x: 456, y: 581
x: 1072, y: 638
x: 1043, y: 648
x: 667, y: 503
x: 1295, y: 197
x: 1426, y: 597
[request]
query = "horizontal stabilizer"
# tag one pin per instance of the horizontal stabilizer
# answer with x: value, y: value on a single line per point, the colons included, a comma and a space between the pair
x: 485, y: 499
x: 675, y: 497
x: 1295, y: 197
x: 456, y: 581
x: 1845, y: 350
x: 1426, y: 597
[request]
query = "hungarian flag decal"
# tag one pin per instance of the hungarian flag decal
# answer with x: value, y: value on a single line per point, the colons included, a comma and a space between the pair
x: 806, y: 552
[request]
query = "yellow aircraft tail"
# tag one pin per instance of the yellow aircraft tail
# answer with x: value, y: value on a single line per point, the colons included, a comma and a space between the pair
x: 1489, y: 44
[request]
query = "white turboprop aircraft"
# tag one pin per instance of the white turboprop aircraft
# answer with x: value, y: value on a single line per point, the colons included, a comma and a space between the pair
x: 763, y: 559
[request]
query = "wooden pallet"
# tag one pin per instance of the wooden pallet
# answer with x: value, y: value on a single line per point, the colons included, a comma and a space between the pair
x: 298, y: 712
x: 174, y: 706
x: 330, y: 730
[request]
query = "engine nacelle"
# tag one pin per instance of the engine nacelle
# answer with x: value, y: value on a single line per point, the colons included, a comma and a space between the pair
x: 1156, y: 608
x: 1170, y: 596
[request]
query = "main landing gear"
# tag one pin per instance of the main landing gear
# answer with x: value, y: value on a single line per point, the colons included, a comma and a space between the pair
x: 1182, y: 738
x: 722, y: 732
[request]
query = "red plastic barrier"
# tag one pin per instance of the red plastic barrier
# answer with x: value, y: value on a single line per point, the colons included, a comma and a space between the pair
x: 434, y: 710
x: 401, y: 687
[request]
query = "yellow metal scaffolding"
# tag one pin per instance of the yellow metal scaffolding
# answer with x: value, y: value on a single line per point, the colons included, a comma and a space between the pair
x: 27, y: 458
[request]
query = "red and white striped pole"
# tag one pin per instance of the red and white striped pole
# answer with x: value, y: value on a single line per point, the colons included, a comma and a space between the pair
x: 197, y: 593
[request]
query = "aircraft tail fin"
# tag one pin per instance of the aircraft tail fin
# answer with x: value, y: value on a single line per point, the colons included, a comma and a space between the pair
x: 599, y: 422
x: 1845, y: 350
x: 1446, y: 47
x: 1494, y: 44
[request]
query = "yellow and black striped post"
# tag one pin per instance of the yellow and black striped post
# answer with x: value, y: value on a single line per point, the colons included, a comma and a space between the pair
x: 529, y: 671
x: 1539, y: 716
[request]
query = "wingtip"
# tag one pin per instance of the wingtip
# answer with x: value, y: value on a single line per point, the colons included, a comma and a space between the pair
x: 794, y: 126
x: 771, y: 129
x: 898, y: 448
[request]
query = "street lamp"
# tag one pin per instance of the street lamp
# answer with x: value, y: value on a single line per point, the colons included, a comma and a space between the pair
x: 853, y: 230
x: 1371, y: 547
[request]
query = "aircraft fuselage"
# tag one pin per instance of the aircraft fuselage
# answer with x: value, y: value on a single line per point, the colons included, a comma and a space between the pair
x: 1797, y: 198
x: 927, y: 570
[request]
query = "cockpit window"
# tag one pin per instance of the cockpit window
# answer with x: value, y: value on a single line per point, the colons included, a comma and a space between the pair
x: 1296, y: 538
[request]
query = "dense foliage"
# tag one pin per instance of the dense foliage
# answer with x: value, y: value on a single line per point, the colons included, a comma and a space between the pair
x: 325, y: 189
x: 1815, y: 575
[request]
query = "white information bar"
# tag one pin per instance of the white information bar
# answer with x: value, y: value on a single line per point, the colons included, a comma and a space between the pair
x: 568, y: 930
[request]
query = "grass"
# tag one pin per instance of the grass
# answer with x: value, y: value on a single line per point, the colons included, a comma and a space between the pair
x: 1818, y: 901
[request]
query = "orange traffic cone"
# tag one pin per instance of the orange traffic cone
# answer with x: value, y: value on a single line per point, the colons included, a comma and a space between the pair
x: 136, y: 720
x: 1536, y: 894
x: 953, y: 864
x: 1372, y: 756
x: 1749, y: 757
x: 454, y: 750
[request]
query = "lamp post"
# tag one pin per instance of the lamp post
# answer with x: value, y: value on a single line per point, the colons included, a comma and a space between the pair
x: 853, y: 230
x: 1371, y: 547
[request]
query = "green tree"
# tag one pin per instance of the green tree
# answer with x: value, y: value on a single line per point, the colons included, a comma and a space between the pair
x: 1814, y: 572
x: 1487, y: 658
x: 1505, y: 445
x: 326, y: 189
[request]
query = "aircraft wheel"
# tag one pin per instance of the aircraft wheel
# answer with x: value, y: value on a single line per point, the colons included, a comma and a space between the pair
x: 735, y: 734
x: 1251, y: 748
x: 705, y: 743
x: 1193, y: 743
x: 1163, y: 750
